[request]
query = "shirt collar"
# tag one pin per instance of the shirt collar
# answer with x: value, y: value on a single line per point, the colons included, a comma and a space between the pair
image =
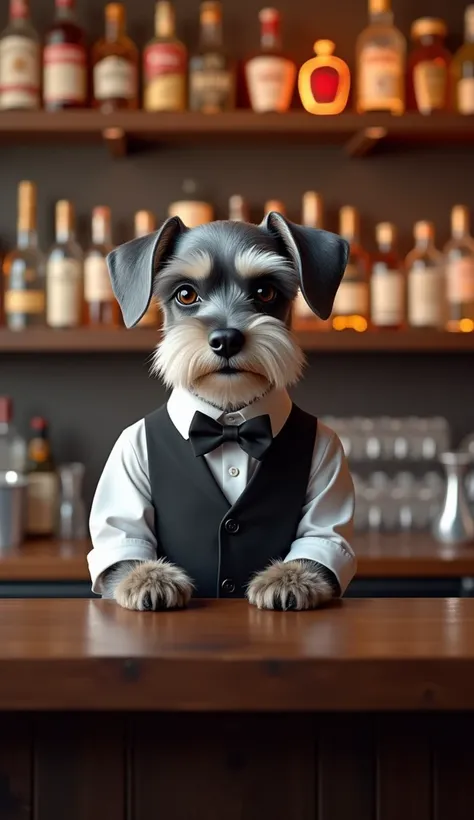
x: 182, y: 405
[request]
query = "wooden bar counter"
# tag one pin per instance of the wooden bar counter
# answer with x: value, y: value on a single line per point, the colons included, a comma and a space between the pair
x: 361, y: 711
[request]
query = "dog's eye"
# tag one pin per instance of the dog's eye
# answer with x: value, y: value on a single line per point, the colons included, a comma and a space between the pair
x: 186, y: 296
x: 265, y: 294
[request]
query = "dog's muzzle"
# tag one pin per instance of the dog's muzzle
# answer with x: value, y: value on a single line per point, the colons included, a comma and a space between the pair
x: 226, y: 342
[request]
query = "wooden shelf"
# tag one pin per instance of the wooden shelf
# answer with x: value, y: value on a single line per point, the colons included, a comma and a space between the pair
x: 125, y: 130
x: 86, y: 340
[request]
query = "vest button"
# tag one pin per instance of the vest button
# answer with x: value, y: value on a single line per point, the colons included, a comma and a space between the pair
x: 228, y: 585
x: 231, y: 526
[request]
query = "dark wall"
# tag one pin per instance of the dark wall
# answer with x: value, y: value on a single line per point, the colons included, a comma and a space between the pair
x: 89, y: 399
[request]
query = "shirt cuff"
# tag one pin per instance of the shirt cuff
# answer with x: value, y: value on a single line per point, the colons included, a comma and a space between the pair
x: 130, y: 550
x: 341, y: 561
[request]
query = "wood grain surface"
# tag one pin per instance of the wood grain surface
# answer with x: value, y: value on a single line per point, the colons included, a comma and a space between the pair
x: 228, y: 656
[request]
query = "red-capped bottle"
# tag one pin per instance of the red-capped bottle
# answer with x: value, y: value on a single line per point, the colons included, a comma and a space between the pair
x: 270, y: 74
x: 65, y: 61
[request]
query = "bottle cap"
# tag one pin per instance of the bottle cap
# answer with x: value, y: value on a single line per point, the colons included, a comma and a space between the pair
x: 469, y: 17
x: 323, y: 48
x: 6, y: 409
x: 349, y: 222
x: 385, y: 233
x: 65, y: 216
x: 115, y: 12
x: 460, y: 220
x: 145, y: 223
x: 26, y: 206
x: 210, y: 12
x: 164, y: 18
x: 38, y: 424
x: 379, y: 6
x: 269, y: 20
x: 428, y: 26
x: 312, y: 211
x: 423, y: 230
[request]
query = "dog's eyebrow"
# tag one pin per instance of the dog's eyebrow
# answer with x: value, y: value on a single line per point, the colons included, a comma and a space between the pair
x: 257, y: 262
x: 196, y: 264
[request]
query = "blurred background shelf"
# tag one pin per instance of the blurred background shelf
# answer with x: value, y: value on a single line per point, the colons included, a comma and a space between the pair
x: 87, y: 340
x: 122, y: 130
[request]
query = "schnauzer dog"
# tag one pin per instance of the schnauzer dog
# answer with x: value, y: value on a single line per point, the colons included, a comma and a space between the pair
x: 226, y: 290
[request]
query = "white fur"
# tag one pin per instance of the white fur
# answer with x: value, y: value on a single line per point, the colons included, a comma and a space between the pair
x: 255, y: 262
x: 197, y: 265
x: 270, y: 358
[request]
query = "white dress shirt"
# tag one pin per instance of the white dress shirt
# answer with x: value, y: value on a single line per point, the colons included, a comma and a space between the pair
x: 122, y: 516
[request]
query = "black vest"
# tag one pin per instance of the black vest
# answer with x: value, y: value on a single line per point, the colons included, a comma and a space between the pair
x: 218, y: 545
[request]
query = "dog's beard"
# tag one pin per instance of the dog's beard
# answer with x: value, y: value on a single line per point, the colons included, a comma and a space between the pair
x: 271, y: 358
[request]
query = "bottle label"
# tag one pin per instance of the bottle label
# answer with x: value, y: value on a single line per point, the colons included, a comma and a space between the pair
x: 270, y: 83
x: 65, y: 77
x: 19, y: 72
x: 64, y: 293
x: 24, y: 301
x: 165, y: 77
x: 426, y: 297
x: 381, y: 78
x: 430, y: 82
x: 97, y: 285
x: 352, y: 298
x: 210, y: 90
x: 41, y: 503
x: 115, y: 79
x: 387, y: 298
x: 466, y: 95
x: 460, y: 281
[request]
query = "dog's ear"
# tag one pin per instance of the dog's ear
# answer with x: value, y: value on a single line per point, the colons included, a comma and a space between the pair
x: 320, y: 258
x: 132, y: 267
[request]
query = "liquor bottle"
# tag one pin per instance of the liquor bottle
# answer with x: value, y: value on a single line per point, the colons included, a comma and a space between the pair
x: 324, y: 81
x: 145, y: 223
x: 459, y: 257
x: 19, y: 60
x: 270, y: 74
x: 42, y: 489
x: 211, y: 73
x: 274, y: 205
x: 387, y: 282
x: 426, y: 280
x: 428, y: 67
x: 24, y: 267
x: 12, y: 445
x: 115, y: 64
x: 65, y: 61
x: 64, y: 273
x: 238, y: 209
x: 380, y: 57
x: 101, y: 305
x: 311, y: 217
x: 164, y: 64
x: 191, y: 210
x: 351, y: 305
x: 462, y: 68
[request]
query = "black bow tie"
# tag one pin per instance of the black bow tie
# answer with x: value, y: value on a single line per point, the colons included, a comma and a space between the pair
x: 253, y: 436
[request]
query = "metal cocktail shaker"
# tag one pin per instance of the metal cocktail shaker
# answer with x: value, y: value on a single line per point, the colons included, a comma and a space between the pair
x: 12, y: 509
x: 455, y: 524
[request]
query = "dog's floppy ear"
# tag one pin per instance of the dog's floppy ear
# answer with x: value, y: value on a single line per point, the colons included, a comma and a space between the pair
x: 320, y: 258
x: 132, y: 267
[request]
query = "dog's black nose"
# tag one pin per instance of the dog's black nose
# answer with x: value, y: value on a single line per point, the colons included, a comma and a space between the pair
x: 226, y: 342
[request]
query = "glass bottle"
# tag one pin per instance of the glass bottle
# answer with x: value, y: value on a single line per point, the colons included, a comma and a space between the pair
x: 324, y: 81
x: 24, y: 267
x: 459, y: 259
x: 351, y: 305
x: 387, y: 282
x: 64, y: 272
x: 238, y: 209
x: 115, y: 64
x: 165, y: 64
x: 211, y: 73
x: 426, y: 282
x: 428, y: 67
x: 101, y: 305
x: 270, y: 74
x: 65, y: 61
x: 72, y: 513
x: 19, y: 60
x: 311, y: 217
x: 462, y: 68
x: 42, y: 490
x: 191, y: 210
x: 380, y: 58
x: 12, y: 445
x: 145, y: 223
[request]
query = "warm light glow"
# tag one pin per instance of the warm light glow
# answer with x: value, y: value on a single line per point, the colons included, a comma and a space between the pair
x: 357, y: 323
x: 466, y: 325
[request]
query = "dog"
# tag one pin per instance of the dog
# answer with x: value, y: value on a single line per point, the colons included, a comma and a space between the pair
x: 226, y: 290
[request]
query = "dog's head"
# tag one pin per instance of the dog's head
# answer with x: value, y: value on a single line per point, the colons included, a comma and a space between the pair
x: 226, y: 291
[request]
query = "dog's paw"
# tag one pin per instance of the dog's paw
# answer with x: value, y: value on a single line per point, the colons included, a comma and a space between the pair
x: 294, y: 585
x: 154, y: 585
